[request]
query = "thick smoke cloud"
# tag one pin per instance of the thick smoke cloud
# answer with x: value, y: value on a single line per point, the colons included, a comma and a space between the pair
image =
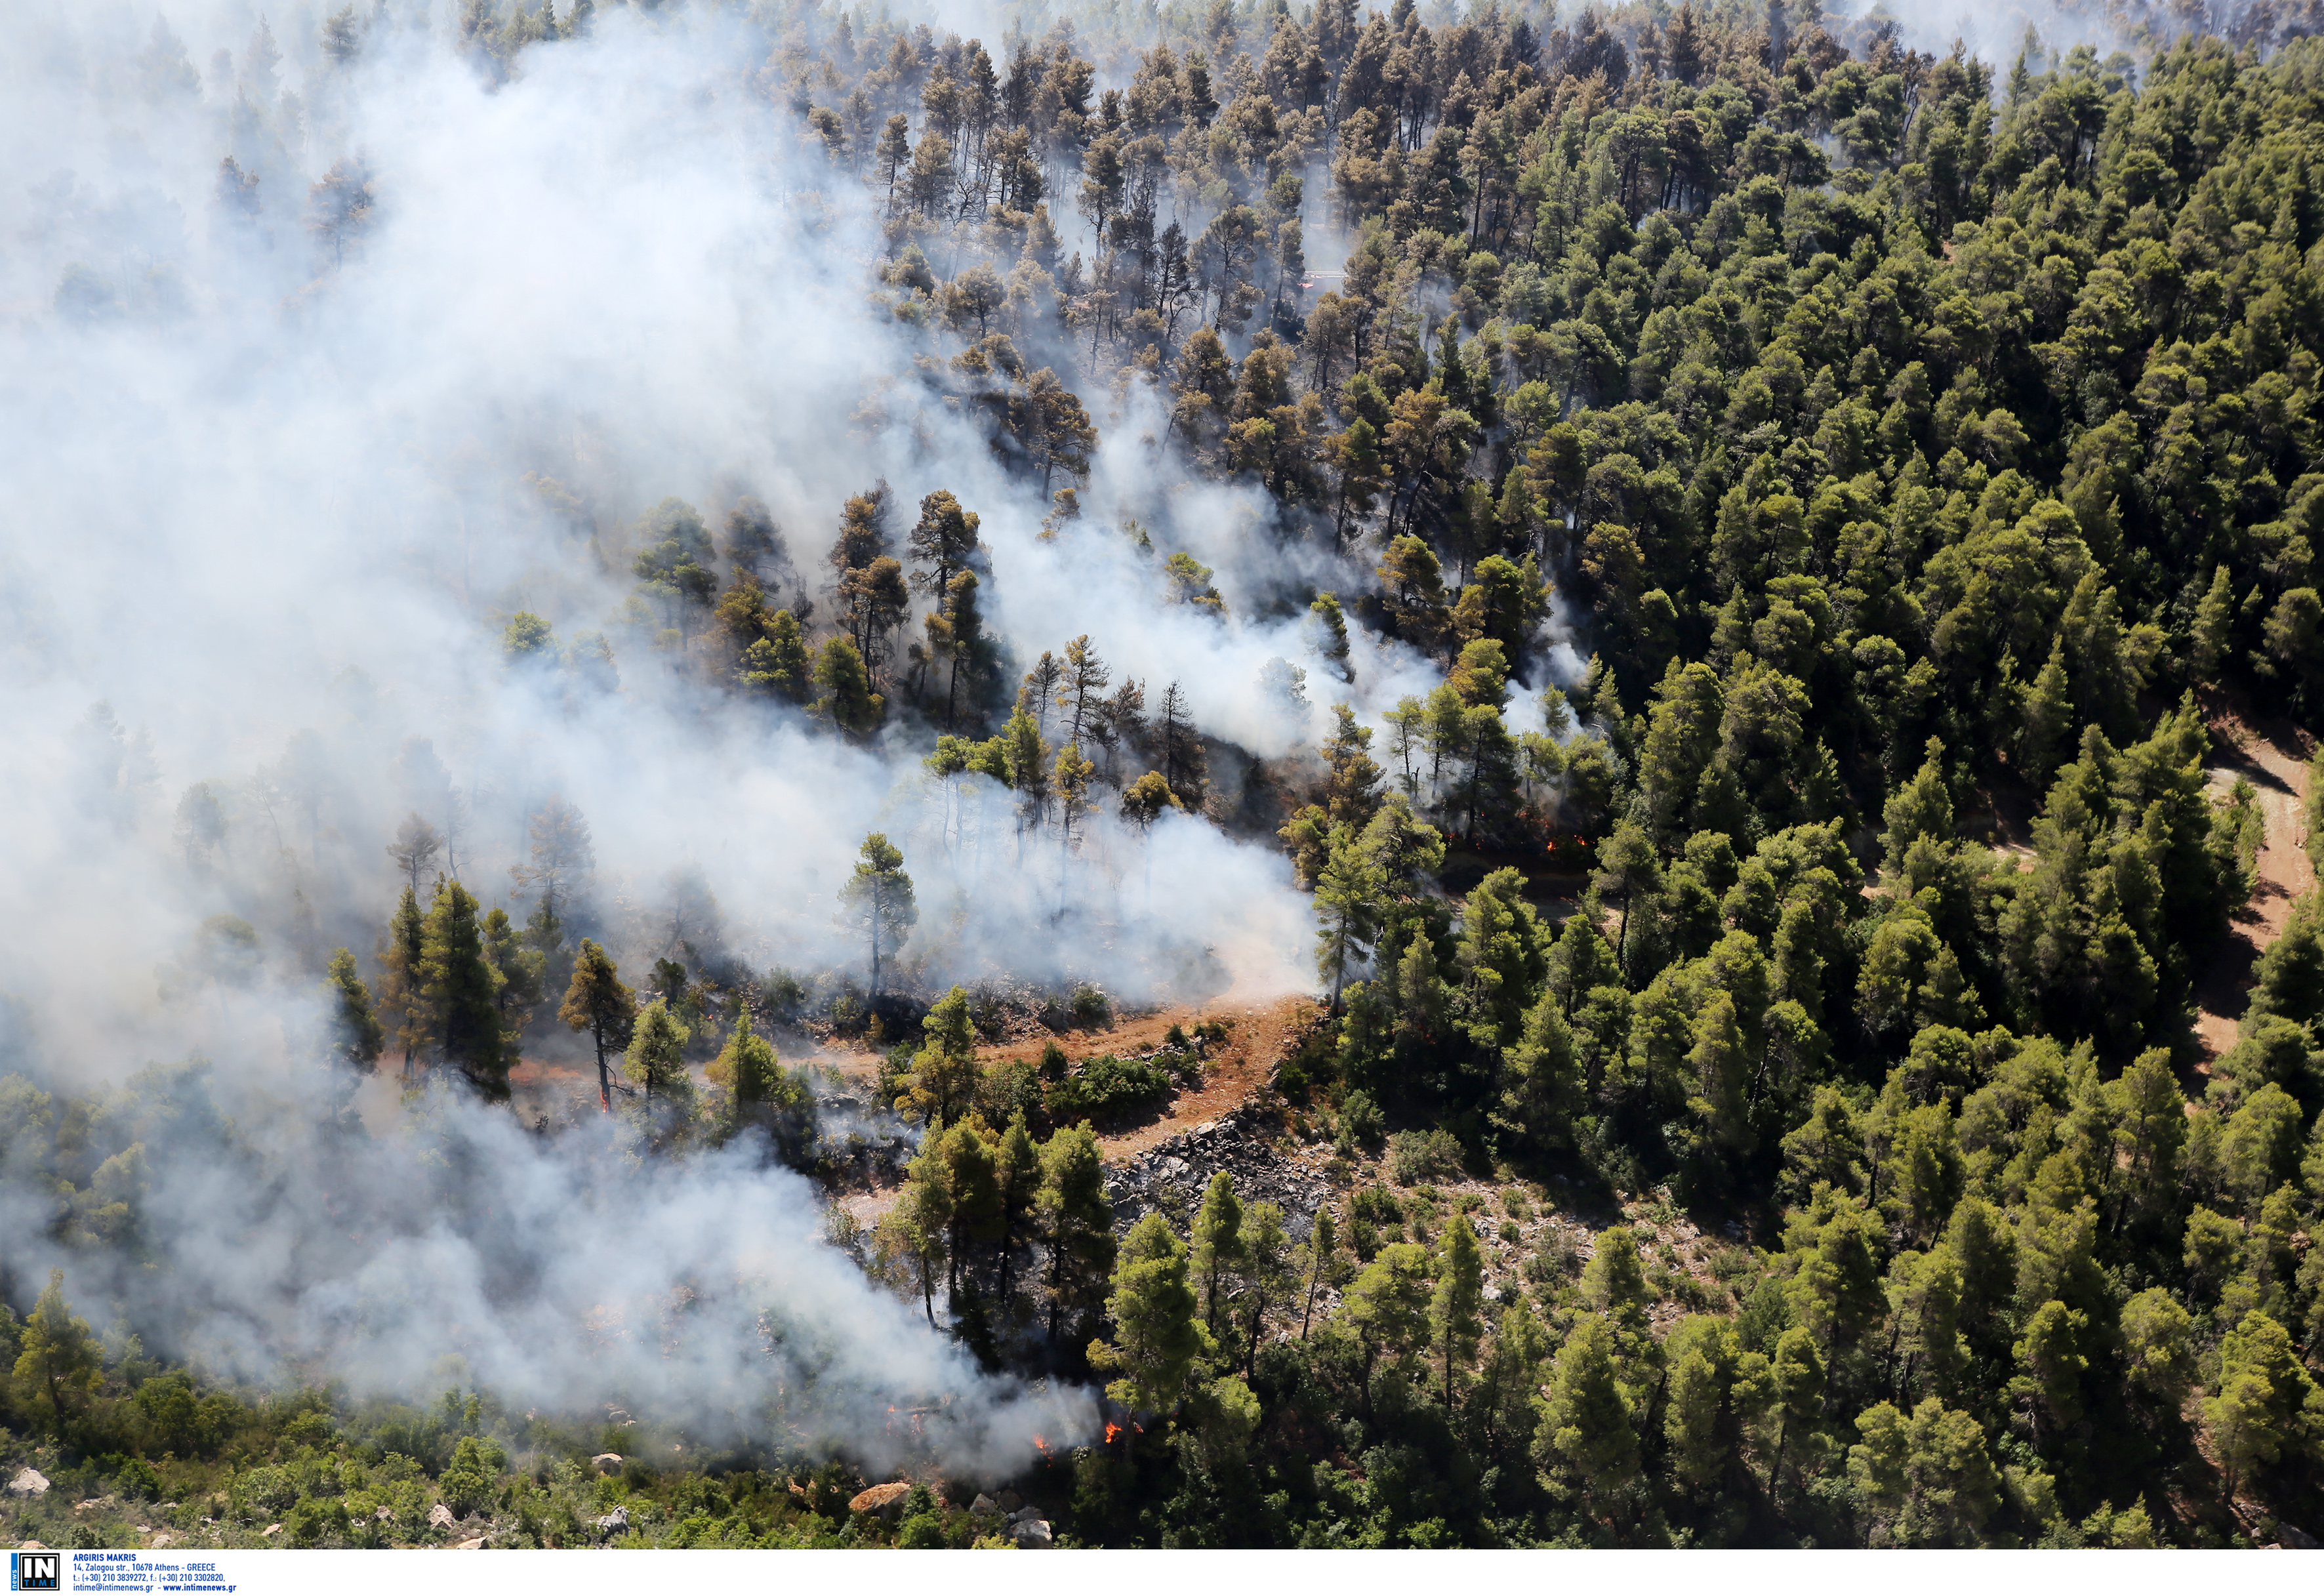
x: 470, y: 1254
x: 260, y: 494
x: 272, y: 498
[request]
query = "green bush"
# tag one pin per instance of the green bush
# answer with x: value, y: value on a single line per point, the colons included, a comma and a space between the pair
x: 1415, y: 1156
x: 1106, y: 1087
x: 130, y: 1477
x: 1091, y: 1010
x: 314, y: 1521
x: 258, y: 1496
x: 466, y: 1486
x: 1361, y: 1124
x: 1007, y: 1090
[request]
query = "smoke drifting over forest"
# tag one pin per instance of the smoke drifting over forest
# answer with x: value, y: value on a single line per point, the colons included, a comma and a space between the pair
x: 273, y: 498
x: 292, y: 440
x: 307, y: 484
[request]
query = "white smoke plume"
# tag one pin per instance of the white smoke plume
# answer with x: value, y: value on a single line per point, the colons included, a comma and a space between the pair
x: 270, y: 500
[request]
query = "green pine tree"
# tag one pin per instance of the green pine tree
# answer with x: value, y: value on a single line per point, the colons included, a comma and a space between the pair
x: 461, y: 992
x: 1076, y: 1224
x: 359, y: 1038
x: 597, y: 1002
x: 1159, y: 1334
x: 1455, y: 1324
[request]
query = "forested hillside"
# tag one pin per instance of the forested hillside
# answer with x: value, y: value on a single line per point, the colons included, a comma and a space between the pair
x: 1783, y: 565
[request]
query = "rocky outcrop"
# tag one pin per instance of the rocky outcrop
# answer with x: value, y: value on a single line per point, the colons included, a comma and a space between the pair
x: 1171, y: 1174
x: 29, y: 1481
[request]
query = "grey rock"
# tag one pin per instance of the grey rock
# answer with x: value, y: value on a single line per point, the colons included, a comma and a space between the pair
x: 612, y: 1523
x: 606, y: 1463
x: 983, y: 1506
x: 1011, y: 1501
x: 1170, y: 1176
x: 1032, y: 1534
x: 440, y: 1516
x: 29, y: 1481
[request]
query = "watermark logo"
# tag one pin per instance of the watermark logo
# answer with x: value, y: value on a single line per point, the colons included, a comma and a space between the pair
x: 36, y: 1570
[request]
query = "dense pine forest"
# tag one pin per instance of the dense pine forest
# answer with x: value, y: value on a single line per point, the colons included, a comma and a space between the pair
x: 1765, y: 577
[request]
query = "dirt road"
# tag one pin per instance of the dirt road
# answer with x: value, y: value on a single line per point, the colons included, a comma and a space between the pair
x: 1259, y: 1031
x: 2272, y: 756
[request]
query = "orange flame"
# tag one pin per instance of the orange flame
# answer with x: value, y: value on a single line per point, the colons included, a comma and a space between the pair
x: 1111, y: 1430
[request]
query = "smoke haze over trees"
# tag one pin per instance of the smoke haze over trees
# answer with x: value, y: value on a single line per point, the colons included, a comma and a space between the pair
x: 1686, y: 570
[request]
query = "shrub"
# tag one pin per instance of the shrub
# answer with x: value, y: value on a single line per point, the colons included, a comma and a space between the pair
x: 784, y: 994
x: 133, y: 1478
x: 1008, y: 1090
x: 1106, y: 1086
x: 895, y: 1073
x: 168, y: 1405
x: 1361, y: 1124
x: 309, y: 1429
x: 314, y: 1520
x: 258, y: 1495
x: 467, y: 1484
x: 1091, y: 1010
x: 1414, y: 1156
x: 1310, y: 1067
x: 1376, y: 1205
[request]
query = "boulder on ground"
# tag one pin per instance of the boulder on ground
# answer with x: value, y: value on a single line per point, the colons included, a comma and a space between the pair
x: 606, y: 1463
x: 475, y: 1545
x: 272, y: 1530
x: 882, y: 1499
x: 29, y: 1481
x: 612, y: 1523
x: 1011, y: 1501
x: 1032, y: 1534
x: 440, y: 1516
